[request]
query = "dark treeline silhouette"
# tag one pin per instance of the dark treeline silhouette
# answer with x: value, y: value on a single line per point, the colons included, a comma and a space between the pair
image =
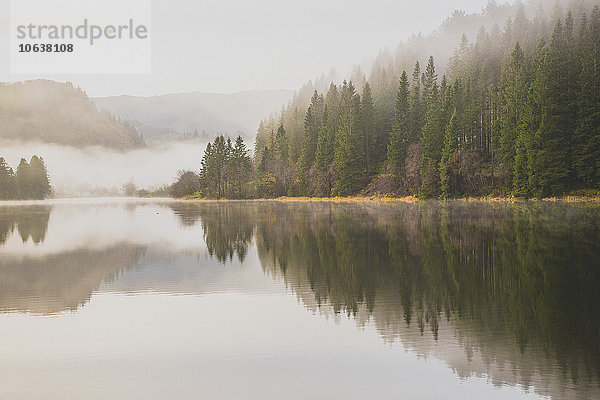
x: 30, y: 221
x: 520, y: 281
x: 516, y: 113
x: 226, y: 227
x: 226, y: 172
x: 30, y: 181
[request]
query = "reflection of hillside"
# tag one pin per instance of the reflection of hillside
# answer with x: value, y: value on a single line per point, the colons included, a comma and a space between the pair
x: 517, y: 288
x: 60, y: 282
x: 31, y: 221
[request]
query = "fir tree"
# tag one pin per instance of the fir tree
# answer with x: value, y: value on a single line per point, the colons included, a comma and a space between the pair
x: 240, y: 168
x: 348, y: 151
x: 514, y: 90
x: 416, y: 106
x: 8, y: 186
x: 559, y: 112
x: 431, y: 139
x: 400, y: 135
x: 367, y: 120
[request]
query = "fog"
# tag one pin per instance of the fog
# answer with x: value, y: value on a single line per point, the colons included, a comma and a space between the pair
x: 76, y: 171
x: 136, y: 224
x: 229, y: 46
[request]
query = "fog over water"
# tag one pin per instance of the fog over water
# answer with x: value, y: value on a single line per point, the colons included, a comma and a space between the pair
x: 77, y: 171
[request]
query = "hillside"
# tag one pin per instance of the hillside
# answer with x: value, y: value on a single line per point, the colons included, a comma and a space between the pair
x: 205, y: 112
x: 511, y: 110
x: 55, y: 112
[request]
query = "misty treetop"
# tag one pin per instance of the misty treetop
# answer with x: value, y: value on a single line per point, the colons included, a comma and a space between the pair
x: 516, y: 113
x: 29, y: 182
x: 54, y: 112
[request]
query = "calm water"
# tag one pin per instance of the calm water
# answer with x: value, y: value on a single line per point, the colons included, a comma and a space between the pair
x: 266, y: 300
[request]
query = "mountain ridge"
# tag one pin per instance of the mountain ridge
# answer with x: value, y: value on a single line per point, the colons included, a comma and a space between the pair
x: 207, y: 113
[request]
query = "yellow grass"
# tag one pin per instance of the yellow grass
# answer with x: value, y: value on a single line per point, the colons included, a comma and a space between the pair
x: 405, y: 199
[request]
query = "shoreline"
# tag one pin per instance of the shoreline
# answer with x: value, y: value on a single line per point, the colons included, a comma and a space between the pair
x: 406, y: 199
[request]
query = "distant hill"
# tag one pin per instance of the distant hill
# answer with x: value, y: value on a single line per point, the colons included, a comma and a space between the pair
x: 202, y: 112
x: 55, y: 112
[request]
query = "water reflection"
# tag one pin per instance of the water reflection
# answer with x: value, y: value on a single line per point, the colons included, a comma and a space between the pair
x: 509, y: 291
x: 30, y: 221
x: 517, y: 285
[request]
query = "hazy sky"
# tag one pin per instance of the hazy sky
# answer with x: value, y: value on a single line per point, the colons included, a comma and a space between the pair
x: 232, y: 45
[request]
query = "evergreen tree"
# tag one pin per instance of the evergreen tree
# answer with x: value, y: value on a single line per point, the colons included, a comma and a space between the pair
x: 39, y: 182
x: 326, y: 142
x: 559, y: 113
x: 513, y: 84
x: 431, y: 139
x: 23, y: 180
x: 312, y: 125
x: 450, y: 146
x: 400, y: 135
x: 281, y: 145
x: 348, y: 150
x: 367, y: 119
x: 416, y: 107
x: 430, y: 78
x: 586, y: 157
x: 8, y: 187
x: 240, y: 168
x: 215, y: 167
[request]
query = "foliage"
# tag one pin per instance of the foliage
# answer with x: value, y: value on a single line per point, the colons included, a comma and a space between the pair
x: 30, y: 181
x: 188, y: 183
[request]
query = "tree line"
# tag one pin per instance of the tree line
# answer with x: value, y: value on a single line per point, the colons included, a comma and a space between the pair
x: 226, y: 172
x: 29, y: 182
x: 515, y: 114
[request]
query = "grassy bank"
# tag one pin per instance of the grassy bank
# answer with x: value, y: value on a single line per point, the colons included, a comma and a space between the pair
x: 408, y: 199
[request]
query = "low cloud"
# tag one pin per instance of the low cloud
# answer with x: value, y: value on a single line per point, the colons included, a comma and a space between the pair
x: 73, y: 170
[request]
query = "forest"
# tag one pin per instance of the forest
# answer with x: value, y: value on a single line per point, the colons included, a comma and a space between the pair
x: 516, y: 113
x: 29, y: 182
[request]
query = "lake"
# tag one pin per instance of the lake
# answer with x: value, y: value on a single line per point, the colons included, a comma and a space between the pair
x: 157, y: 299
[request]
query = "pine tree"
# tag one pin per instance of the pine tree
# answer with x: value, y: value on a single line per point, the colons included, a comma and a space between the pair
x: 559, y: 112
x: 431, y: 135
x: 326, y: 142
x: 367, y: 120
x: 431, y: 139
x: 450, y: 146
x: 214, y: 174
x: 586, y: 157
x: 430, y: 78
x: 400, y: 134
x: 23, y: 180
x: 312, y: 125
x: 348, y: 150
x: 281, y: 144
x: 39, y: 181
x: 417, y: 115
x: 8, y: 188
x: 514, y: 91
x: 240, y: 168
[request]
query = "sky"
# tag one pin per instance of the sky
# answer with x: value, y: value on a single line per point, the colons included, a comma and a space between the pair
x: 226, y: 46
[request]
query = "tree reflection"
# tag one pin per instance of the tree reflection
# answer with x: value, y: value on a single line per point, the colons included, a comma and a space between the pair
x: 31, y: 221
x: 227, y: 227
x: 528, y: 272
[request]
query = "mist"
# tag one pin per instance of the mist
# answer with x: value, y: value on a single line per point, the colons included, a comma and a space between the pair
x: 76, y: 171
